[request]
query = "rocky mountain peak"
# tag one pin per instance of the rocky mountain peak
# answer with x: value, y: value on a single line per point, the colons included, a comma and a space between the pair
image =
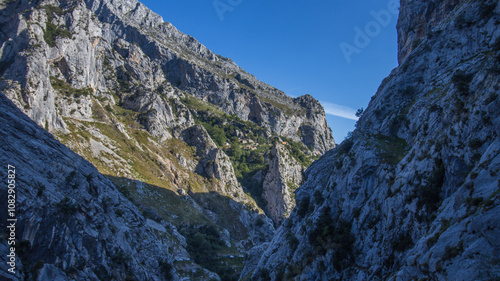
x: 310, y: 103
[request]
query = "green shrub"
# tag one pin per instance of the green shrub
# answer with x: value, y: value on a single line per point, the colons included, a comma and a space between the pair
x: 462, y: 81
x: 356, y: 212
x: 359, y: 112
x: 259, y: 222
x: 120, y: 257
x: 292, y: 240
x: 303, y: 207
x: 318, y: 197
x: 410, y: 91
x: 166, y: 268
x: 391, y: 149
x: 296, y: 150
x: 52, y: 31
x: 402, y: 242
x: 203, y: 243
x: 496, y: 45
x: 264, y: 274
x: 119, y: 212
x: 67, y: 89
x: 329, y: 234
x: 40, y: 188
x: 66, y: 207
x: 51, y: 9
x: 452, y: 252
x: 429, y: 194
x: 476, y: 201
x: 397, y: 122
x: 345, y: 146
x: 475, y: 143
x: 4, y: 65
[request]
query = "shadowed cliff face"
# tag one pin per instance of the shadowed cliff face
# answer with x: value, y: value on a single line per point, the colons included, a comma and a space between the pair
x: 414, y: 193
x: 73, y: 223
x: 70, y: 217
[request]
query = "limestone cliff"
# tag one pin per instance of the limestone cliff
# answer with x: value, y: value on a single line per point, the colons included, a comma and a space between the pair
x: 284, y: 176
x: 130, y: 93
x: 96, y: 48
x: 414, y: 193
x: 72, y: 222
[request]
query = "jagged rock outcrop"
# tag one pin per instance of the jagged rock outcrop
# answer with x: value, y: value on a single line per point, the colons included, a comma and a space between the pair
x: 284, y: 176
x: 414, y: 193
x: 159, y: 113
x: 213, y: 162
x: 72, y: 222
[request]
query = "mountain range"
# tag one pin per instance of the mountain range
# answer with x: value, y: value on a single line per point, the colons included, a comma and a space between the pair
x: 141, y: 155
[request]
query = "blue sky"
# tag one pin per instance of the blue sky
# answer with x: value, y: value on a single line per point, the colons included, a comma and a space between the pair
x: 337, y: 51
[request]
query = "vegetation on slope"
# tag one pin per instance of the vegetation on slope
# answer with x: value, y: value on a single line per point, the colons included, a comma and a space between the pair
x: 246, y: 143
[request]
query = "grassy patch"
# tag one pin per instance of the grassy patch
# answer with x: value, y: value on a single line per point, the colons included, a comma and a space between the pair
x: 51, y: 10
x: 391, y: 149
x: 52, y: 32
x: 199, y: 105
x: 141, y: 154
x: 205, y: 247
x: 67, y: 89
x: 159, y: 203
x: 282, y: 107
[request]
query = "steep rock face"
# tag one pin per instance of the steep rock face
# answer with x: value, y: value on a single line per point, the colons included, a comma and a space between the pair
x: 72, y: 222
x: 213, y: 162
x: 418, y: 18
x: 414, y: 194
x: 159, y: 114
x: 99, y: 46
x: 284, y: 176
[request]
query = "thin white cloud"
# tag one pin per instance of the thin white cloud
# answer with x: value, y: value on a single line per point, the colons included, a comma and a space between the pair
x: 339, y: 110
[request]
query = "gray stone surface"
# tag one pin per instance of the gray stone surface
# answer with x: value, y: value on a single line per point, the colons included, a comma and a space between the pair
x: 418, y: 181
x: 285, y: 175
x: 124, y: 45
x: 67, y: 220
